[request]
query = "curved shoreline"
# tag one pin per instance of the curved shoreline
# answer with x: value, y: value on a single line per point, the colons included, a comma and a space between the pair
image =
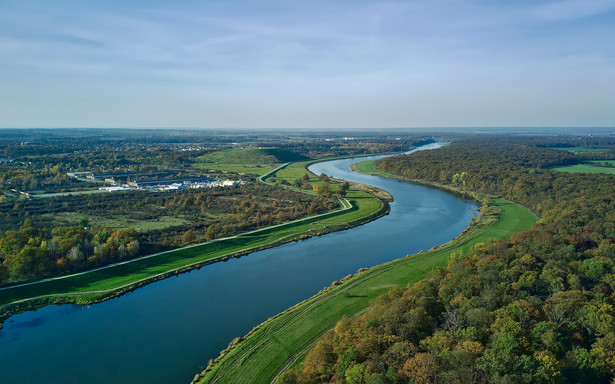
x: 259, y: 338
x: 97, y: 296
x: 370, y: 282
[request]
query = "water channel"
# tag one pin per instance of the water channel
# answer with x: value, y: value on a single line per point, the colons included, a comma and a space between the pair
x: 165, y: 332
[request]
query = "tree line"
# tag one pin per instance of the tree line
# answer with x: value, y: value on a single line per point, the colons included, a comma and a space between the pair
x: 538, y: 307
x: 36, y: 241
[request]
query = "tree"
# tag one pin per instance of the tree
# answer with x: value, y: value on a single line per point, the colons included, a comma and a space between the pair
x: 323, y: 189
x: 188, y: 237
x: 213, y: 231
x: 355, y: 375
x: 422, y: 368
x: 30, y: 262
x: 84, y: 221
x: 75, y: 254
x: 52, y: 245
x: 4, y: 273
x: 122, y: 251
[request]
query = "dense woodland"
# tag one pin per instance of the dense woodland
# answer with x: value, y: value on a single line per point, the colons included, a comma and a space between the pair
x: 36, y: 243
x: 42, y: 237
x: 538, y: 308
x: 37, y: 161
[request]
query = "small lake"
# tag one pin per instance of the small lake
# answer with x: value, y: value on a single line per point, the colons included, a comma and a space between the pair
x: 166, y: 332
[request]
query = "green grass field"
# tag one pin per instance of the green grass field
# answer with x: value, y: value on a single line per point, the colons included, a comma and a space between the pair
x: 579, y: 149
x: 98, y: 284
x: 249, y: 160
x: 239, y: 160
x: 283, y: 340
x: 294, y: 171
x: 368, y: 167
x: 586, y: 167
x: 248, y: 155
x: 117, y: 221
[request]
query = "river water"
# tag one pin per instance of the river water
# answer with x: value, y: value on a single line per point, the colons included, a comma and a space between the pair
x: 165, y: 332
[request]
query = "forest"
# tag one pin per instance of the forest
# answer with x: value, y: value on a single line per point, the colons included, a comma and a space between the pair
x: 37, y: 161
x: 50, y: 236
x: 35, y: 242
x: 538, y: 307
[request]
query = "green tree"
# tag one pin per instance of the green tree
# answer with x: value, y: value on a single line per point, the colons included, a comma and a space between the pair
x: 188, y: 237
x: 84, y: 221
x: 356, y: 374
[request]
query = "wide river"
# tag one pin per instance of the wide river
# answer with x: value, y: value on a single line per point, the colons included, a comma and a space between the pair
x: 166, y: 331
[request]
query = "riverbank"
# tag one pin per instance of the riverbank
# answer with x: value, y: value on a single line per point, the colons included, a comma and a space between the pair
x: 276, y: 344
x: 103, y: 284
x: 270, y: 348
x: 368, y: 168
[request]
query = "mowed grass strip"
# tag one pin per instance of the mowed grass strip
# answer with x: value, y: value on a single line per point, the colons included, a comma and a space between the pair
x: 100, y: 283
x: 249, y: 160
x: 580, y: 149
x: 586, y: 168
x: 116, y: 221
x: 280, y: 341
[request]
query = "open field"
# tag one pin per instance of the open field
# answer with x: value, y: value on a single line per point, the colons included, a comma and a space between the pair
x: 237, y: 168
x: 365, y: 202
x: 283, y: 340
x: 587, y: 168
x: 239, y: 160
x: 248, y: 155
x: 295, y: 171
x: 117, y: 221
x: 248, y: 160
x: 369, y: 168
x: 579, y: 149
x: 100, y: 284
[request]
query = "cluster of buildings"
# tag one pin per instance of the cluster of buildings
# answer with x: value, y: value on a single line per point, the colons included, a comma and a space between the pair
x: 125, y: 181
x: 171, y: 185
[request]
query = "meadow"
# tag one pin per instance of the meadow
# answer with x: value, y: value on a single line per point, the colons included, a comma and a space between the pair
x: 283, y: 340
x: 96, y: 285
x: 587, y: 167
x: 247, y: 160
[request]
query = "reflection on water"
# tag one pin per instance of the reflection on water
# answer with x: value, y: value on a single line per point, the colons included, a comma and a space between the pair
x: 165, y: 332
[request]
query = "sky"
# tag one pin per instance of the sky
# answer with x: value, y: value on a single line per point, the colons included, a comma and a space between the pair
x: 307, y: 64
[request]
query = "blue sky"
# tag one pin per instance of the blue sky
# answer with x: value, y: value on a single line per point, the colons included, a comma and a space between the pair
x: 317, y: 63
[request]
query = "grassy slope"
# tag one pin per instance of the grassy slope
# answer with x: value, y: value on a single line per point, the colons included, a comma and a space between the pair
x: 579, y: 149
x: 586, y: 168
x: 246, y: 160
x: 121, y: 275
x: 280, y: 341
x: 117, y: 221
x: 97, y: 285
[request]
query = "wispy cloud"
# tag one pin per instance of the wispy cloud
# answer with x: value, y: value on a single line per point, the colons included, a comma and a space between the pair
x: 242, y: 53
x: 571, y: 9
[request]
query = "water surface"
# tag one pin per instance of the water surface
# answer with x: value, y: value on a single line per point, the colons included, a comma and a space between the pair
x: 166, y: 331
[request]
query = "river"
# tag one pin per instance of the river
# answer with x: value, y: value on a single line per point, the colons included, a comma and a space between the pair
x: 166, y: 331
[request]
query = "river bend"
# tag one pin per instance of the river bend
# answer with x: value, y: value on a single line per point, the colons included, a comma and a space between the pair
x: 166, y: 331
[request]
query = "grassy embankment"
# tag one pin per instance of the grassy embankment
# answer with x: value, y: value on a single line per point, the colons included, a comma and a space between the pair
x: 579, y: 149
x: 98, y: 285
x: 117, y: 221
x: 587, y: 167
x: 284, y: 340
x: 248, y: 160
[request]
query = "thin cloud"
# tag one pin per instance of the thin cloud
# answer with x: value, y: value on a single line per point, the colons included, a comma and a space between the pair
x: 571, y: 9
